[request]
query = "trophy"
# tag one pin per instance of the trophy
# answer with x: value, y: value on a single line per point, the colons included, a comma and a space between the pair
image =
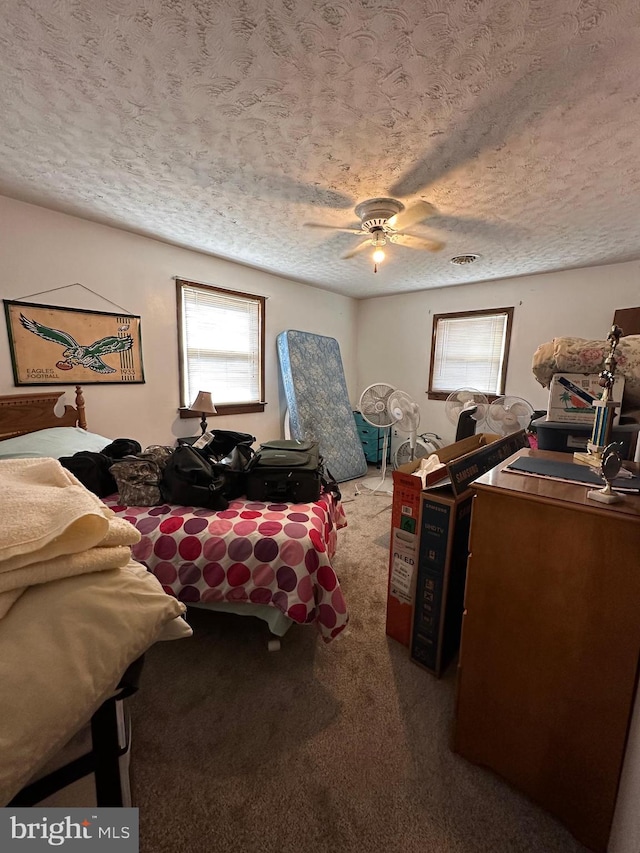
x: 605, y: 407
x: 610, y: 468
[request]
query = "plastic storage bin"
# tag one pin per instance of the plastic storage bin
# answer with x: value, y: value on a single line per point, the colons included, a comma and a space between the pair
x: 372, y: 439
x: 567, y: 438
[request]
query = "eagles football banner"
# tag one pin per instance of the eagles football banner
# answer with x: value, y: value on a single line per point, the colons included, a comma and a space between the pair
x: 69, y: 346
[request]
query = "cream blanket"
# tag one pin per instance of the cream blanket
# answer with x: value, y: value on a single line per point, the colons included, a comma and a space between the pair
x: 77, y: 611
x: 63, y: 649
x: 46, y: 512
x: 53, y: 528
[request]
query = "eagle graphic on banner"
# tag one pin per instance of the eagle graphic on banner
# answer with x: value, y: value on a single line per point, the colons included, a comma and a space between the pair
x: 76, y: 354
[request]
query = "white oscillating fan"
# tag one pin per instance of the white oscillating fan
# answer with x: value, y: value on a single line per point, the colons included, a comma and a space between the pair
x: 406, y: 415
x: 509, y: 414
x: 465, y: 409
x: 374, y: 409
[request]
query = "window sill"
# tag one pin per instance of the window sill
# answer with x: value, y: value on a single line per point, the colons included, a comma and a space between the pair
x: 224, y: 409
x: 442, y: 395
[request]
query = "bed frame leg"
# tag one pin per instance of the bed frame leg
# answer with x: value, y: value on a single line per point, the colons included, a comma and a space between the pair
x: 274, y: 644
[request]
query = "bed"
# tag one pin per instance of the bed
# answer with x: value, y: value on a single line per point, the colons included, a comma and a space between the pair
x: 272, y: 561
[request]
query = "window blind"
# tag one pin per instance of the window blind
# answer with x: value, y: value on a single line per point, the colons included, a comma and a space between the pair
x: 469, y: 353
x: 221, y: 345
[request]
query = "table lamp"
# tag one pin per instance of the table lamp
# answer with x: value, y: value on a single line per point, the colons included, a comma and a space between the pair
x: 203, y: 405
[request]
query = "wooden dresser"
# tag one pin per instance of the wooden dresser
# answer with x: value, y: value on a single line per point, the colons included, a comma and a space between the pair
x: 550, y: 643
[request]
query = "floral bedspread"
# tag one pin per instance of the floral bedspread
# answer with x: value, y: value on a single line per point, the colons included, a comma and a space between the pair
x: 578, y: 355
x: 278, y: 554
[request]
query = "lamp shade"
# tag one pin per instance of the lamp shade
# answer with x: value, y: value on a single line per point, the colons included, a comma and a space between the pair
x: 203, y: 404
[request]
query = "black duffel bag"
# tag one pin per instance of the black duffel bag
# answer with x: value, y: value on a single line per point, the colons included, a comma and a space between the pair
x: 233, y: 470
x: 190, y: 480
x: 92, y: 469
x: 121, y: 447
x: 224, y: 441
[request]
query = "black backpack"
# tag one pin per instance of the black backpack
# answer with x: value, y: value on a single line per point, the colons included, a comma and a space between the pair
x: 92, y: 469
x: 121, y: 447
x: 190, y: 480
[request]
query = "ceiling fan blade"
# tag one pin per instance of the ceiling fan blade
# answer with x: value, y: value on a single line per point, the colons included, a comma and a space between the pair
x: 364, y: 245
x: 413, y: 242
x: 413, y: 214
x: 332, y: 227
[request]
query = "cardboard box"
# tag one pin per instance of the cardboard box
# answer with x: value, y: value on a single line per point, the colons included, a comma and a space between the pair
x: 405, y: 536
x: 465, y: 461
x: 571, y: 395
x: 440, y: 579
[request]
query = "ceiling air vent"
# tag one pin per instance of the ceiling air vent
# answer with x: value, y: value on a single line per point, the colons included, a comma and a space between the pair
x: 461, y: 260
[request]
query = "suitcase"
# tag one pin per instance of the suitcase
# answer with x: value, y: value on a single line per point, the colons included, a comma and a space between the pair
x: 286, y: 470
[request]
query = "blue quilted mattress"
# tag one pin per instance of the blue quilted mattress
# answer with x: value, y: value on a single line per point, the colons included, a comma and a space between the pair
x: 319, y: 408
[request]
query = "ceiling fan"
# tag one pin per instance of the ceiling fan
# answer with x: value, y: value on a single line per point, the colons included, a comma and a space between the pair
x: 385, y: 220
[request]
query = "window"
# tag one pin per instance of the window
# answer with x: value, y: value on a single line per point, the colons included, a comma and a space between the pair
x: 470, y: 350
x: 221, y: 344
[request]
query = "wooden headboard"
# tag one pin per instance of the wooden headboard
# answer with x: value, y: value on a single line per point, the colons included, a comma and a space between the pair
x: 24, y: 413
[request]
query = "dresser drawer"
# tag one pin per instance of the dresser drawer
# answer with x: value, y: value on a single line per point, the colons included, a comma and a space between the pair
x: 369, y: 432
x: 372, y: 439
x: 373, y: 455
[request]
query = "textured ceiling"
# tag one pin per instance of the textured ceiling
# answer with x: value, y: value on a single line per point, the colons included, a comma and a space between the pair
x: 224, y: 126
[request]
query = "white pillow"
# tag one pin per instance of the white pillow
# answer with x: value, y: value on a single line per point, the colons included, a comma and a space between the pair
x: 54, y: 443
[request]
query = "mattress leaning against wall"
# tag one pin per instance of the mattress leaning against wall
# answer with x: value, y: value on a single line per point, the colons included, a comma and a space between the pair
x: 319, y: 408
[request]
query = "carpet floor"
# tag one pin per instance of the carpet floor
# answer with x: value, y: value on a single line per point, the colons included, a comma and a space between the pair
x: 340, y: 747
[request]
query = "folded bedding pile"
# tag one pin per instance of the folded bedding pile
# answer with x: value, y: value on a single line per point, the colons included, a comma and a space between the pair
x: 53, y: 527
x: 75, y: 612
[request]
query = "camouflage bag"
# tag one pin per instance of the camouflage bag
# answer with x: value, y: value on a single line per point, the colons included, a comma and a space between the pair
x: 138, y: 477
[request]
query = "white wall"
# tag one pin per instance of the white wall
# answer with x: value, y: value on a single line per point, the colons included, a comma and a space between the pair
x: 41, y: 250
x: 384, y: 339
x: 394, y: 332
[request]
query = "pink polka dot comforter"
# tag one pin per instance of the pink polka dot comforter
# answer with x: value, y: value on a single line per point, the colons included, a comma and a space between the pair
x: 262, y: 553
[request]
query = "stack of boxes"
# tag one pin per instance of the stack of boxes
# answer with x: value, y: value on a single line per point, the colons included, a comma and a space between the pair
x: 568, y: 423
x: 430, y: 544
